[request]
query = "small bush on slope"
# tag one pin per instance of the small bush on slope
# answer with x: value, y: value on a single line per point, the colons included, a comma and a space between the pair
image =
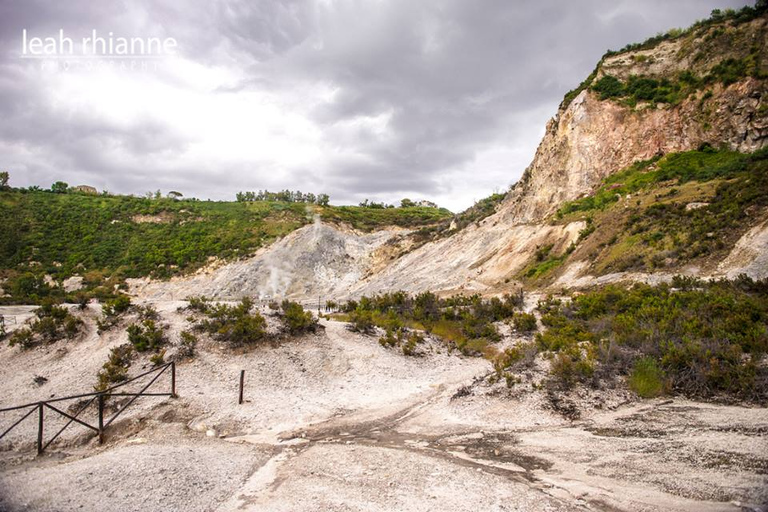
x: 296, y: 320
x: 234, y: 324
x: 187, y: 345
x: 146, y: 336
x: 524, y: 322
x: 53, y: 323
x: 115, y: 370
x: 407, y: 341
x: 111, y: 311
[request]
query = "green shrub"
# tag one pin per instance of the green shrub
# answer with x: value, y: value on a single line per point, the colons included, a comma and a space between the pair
x: 647, y: 379
x: 22, y: 337
x: 28, y: 288
x: 158, y: 358
x: 53, y: 323
x: 148, y: 312
x: 524, y: 322
x: 296, y: 320
x: 200, y: 304
x: 234, y: 324
x: 146, y: 336
x: 361, y: 320
x: 406, y: 340
x: 465, y: 322
x: 188, y: 344
x: 112, y: 310
x: 704, y: 339
x: 569, y: 367
x: 116, y: 306
x: 608, y: 87
x: 115, y: 370
x: 412, y: 341
x: 513, y: 359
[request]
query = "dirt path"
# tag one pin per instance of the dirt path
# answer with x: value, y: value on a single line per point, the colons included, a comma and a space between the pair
x: 554, y: 467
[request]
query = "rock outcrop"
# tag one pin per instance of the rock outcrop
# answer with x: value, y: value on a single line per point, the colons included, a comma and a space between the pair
x: 316, y: 261
x: 590, y: 138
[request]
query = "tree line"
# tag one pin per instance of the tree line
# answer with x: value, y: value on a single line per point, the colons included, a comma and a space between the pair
x: 287, y: 196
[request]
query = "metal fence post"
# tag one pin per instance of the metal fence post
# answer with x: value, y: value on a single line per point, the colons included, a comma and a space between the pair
x: 173, y: 379
x: 242, y: 381
x: 40, y: 428
x: 101, y: 418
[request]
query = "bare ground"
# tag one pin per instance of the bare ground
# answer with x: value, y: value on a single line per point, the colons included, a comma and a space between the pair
x: 334, y: 421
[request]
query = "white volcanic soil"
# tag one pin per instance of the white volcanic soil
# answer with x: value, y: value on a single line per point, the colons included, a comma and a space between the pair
x: 334, y: 421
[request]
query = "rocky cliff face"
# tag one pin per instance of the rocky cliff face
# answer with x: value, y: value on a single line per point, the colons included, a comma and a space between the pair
x: 591, y: 138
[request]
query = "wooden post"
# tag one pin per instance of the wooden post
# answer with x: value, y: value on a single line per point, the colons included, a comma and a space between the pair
x: 40, y: 428
x: 101, y: 419
x: 242, y: 381
x: 173, y: 379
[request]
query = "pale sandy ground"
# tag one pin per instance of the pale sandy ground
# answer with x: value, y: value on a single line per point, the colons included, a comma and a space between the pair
x: 334, y: 421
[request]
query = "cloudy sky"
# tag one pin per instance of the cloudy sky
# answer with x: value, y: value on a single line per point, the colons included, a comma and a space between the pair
x: 380, y: 99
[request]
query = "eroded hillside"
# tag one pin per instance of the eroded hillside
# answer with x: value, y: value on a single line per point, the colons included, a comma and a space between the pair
x: 705, y: 88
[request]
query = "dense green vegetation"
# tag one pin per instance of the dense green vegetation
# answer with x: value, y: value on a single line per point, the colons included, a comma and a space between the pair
x: 672, y: 91
x: 743, y: 15
x: 658, y: 227
x: 466, y: 323
x: 702, y: 165
x: 129, y: 236
x: 108, y: 238
x: 366, y: 218
x: 694, y: 338
x: 639, y: 88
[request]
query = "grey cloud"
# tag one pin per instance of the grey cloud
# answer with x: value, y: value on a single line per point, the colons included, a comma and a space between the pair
x: 454, y: 76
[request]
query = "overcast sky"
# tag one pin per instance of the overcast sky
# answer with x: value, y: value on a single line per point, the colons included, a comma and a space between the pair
x: 381, y: 99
